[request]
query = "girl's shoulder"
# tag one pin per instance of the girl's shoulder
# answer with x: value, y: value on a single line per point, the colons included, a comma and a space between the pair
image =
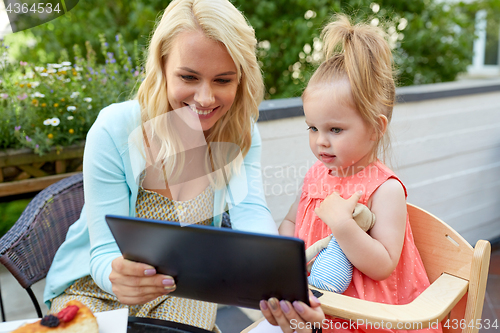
x: 379, y: 174
x: 378, y: 169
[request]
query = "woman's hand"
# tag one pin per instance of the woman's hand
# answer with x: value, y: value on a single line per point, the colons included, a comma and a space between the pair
x: 336, y: 211
x: 297, y: 317
x: 135, y: 283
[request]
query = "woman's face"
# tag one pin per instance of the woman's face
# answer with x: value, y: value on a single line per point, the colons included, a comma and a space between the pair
x: 201, y: 74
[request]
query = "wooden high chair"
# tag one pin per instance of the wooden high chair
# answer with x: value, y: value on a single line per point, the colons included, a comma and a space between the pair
x: 455, y: 298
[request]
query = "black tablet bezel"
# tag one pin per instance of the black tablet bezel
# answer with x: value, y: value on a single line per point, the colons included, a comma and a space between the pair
x: 218, y: 265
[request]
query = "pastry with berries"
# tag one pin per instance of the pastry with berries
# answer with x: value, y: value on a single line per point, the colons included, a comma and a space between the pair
x: 74, y: 318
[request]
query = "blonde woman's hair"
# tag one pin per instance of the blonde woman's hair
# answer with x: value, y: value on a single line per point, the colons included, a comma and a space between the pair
x: 360, y: 54
x: 222, y: 22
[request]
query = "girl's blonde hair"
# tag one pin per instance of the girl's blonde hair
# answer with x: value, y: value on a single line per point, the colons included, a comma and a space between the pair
x: 222, y: 22
x: 361, y: 54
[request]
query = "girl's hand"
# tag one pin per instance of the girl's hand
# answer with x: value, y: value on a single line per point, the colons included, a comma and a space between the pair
x: 297, y: 317
x: 335, y: 211
x: 135, y: 283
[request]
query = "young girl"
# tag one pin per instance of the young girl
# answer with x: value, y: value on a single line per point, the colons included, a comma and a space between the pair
x: 348, y: 104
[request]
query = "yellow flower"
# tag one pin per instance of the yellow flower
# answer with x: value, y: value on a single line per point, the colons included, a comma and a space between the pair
x: 62, y: 99
x: 44, y: 105
x: 75, y: 73
x: 63, y: 72
x: 71, y: 131
x: 34, y: 102
x: 56, y: 105
x: 21, y: 85
x: 29, y: 85
x: 50, y: 136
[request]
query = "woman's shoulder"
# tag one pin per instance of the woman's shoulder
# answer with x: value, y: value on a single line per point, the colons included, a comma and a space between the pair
x: 119, y: 118
x: 123, y: 112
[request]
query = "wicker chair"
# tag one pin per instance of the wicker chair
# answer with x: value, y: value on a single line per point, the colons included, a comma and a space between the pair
x: 28, y: 248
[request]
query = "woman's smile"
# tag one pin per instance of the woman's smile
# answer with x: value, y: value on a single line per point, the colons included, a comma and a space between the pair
x: 202, y: 113
x: 202, y: 76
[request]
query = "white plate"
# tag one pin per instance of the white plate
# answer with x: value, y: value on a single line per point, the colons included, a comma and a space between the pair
x: 114, y: 321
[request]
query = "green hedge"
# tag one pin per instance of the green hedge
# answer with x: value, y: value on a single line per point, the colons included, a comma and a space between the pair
x: 432, y: 40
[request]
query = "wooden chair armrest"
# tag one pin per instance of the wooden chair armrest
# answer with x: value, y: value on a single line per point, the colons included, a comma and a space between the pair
x: 430, y: 306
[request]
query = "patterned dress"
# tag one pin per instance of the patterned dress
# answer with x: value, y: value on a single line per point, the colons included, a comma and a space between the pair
x: 187, y: 311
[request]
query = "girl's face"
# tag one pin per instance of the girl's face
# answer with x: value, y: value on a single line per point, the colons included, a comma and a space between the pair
x: 338, y: 136
x: 201, y: 75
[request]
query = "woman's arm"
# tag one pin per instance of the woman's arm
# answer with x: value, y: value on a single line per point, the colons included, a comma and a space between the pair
x: 251, y: 213
x: 107, y: 192
x: 376, y: 253
x: 287, y: 227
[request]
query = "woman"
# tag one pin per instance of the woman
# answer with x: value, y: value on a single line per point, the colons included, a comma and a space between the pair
x: 201, y: 73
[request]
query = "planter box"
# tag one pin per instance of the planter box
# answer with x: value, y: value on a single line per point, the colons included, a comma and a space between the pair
x: 22, y: 171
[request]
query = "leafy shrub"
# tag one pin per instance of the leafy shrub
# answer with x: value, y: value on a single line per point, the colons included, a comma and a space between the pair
x: 55, y: 105
x: 432, y: 39
x: 10, y: 212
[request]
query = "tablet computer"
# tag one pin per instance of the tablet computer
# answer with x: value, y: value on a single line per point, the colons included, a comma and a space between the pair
x: 218, y: 265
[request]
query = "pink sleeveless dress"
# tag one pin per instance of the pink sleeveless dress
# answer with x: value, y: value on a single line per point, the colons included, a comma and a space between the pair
x: 409, y: 278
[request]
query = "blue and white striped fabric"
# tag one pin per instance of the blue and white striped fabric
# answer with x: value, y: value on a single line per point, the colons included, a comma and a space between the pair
x: 331, y: 270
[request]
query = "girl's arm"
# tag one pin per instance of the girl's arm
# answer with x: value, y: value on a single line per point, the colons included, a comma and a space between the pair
x: 376, y: 253
x: 287, y: 227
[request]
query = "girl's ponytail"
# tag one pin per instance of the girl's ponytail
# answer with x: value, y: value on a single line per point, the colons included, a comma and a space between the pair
x: 360, y: 54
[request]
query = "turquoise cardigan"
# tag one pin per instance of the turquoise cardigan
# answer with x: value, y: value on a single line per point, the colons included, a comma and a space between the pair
x: 111, y: 167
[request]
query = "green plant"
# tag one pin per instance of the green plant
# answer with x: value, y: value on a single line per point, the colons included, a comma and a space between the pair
x: 432, y: 39
x: 10, y: 212
x: 55, y: 105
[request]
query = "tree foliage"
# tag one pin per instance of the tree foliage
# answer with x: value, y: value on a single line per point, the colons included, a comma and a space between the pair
x: 432, y: 40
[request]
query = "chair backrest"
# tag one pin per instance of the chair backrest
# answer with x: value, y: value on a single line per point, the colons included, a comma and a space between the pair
x: 443, y: 250
x: 28, y: 248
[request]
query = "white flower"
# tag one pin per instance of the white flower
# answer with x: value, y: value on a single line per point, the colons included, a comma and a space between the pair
x: 51, y: 71
x: 35, y: 84
x: 78, y: 68
x: 87, y: 99
x: 70, y: 117
x: 65, y: 68
x: 66, y: 63
x: 54, y: 121
x: 89, y: 107
x: 67, y: 80
x: 39, y: 69
x: 37, y: 94
x: 54, y: 65
x: 47, y: 122
x: 74, y: 94
x: 44, y: 74
x: 84, y: 86
x: 71, y: 108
